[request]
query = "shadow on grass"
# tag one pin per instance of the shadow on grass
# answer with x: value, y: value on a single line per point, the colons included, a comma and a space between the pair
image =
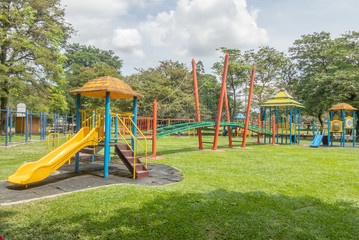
x: 219, y: 214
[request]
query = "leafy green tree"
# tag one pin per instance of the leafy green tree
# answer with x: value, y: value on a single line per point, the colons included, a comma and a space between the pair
x: 272, y: 71
x: 83, y: 64
x: 209, y: 91
x: 328, y: 71
x: 170, y: 84
x: 32, y: 34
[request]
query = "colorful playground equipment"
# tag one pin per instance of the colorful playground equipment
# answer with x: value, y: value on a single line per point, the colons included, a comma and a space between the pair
x: 341, y: 122
x: 287, y: 117
x: 94, y: 128
x: 27, y: 123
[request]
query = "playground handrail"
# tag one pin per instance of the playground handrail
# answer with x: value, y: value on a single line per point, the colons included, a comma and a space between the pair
x: 53, y: 141
x: 119, y: 117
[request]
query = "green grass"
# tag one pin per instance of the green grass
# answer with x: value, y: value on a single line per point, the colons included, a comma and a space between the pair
x: 18, y: 138
x: 263, y: 192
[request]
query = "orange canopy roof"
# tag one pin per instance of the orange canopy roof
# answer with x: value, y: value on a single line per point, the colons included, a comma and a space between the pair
x: 342, y: 106
x: 99, y: 86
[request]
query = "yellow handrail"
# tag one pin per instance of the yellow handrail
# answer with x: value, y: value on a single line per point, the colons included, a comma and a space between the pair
x: 133, y: 148
x: 68, y: 137
x: 53, y: 141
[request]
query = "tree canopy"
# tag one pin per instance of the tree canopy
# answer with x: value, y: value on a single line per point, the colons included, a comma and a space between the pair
x: 32, y: 34
x: 327, y: 71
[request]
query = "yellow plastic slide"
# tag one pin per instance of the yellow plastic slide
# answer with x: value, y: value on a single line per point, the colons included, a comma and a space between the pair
x: 41, y: 169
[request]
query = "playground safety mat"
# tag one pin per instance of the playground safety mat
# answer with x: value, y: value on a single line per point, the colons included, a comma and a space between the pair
x: 90, y: 176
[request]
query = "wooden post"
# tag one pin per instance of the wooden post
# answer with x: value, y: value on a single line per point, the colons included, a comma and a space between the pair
x: 248, y: 108
x: 199, y: 130
x: 220, y: 104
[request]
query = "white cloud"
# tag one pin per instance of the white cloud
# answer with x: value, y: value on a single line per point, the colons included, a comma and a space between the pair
x: 128, y: 41
x: 94, y: 20
x: 198, y: 27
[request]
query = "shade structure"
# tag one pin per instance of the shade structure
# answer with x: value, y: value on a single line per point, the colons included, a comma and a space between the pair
x: 240, y: 116
x: 343, y: 106
x: 99, y: 86
x: 282, y: 99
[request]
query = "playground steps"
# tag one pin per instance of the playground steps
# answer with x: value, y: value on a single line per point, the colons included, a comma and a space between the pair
x: 89, y: 149
x: 126, y: 155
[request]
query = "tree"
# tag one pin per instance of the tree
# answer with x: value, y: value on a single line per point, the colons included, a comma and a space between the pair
x: 83, y: 64
x: 32, y: 34
x: 209, y: 91
x: 272, y: 71
x: 170, y: 84
x: 328, y: 71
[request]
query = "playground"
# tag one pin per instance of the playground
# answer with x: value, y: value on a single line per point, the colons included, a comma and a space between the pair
x: 263, y: 191
x: 259, y: 178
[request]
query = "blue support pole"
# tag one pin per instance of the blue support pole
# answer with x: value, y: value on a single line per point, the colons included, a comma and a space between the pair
x: 30, y: 133
x: 41, y: 125
x: 290, y: 126
x: 353, y: 128
x: 27, y: 126
x: 78, y: 127
x: 328, y: 132
x: 313, y: 130
x: 45, y: 125
x: 10, y: 131
x: 298, y: 125
x: 7, y: 126
x: 265, y: 123
x: 134, y: 119
x: 281, y: 141
x: 107, y: 135
x: 286, y: 120
x: 343, y: 128
x: 295, y: 124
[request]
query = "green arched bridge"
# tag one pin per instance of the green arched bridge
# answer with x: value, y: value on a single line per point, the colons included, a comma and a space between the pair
x: 176, y: 128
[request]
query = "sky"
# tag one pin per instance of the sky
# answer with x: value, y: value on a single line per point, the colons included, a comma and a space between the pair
x: 144, y: 32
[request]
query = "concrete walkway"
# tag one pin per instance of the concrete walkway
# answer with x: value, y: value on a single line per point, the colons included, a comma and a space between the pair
x: 65, y: 180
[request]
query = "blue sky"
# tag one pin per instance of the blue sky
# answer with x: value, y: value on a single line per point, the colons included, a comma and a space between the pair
x: 144, y: 32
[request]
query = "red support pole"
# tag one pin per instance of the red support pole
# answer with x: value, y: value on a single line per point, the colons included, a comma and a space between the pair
x: 154, y: 128
x: 274, y: 129
x: 199, y: 130
x: 259, y: 125
x: 220, y: 104
x: 228, y: 119
x: 248, y: 108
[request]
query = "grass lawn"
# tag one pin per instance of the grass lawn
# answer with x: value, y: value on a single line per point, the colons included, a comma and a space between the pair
x: 263, y: 192
x: 18, y: 138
